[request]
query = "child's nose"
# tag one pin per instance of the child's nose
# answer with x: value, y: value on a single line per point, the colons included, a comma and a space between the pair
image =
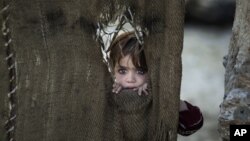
x: 131, y: 78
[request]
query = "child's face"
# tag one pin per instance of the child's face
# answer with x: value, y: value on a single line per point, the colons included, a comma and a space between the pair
x: 127, y: 75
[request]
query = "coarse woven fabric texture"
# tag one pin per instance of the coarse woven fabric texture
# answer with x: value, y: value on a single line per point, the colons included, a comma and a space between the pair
x: 64, y: 88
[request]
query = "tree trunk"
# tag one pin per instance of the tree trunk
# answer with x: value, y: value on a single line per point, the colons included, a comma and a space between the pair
x: 235, y: 107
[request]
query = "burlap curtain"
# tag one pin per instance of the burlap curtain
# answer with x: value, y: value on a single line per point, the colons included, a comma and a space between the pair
x: 63, y: 86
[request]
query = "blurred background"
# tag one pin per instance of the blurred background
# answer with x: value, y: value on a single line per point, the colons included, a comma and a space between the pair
x: 207, y: 34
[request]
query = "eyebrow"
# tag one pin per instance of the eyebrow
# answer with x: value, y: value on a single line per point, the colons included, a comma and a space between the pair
x: 123, y: 67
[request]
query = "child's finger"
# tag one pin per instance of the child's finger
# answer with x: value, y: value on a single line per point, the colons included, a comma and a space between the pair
x: 135, y: 89
x: 114, y: 86
x: 139, y: 91
x: 118, y: 89
x: 145, y: 87
x: 145, y: 91
x: 114, y: 90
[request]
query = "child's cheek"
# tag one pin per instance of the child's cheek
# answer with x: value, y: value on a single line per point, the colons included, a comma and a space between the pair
x: 119, y: 78
x: 143, y: 78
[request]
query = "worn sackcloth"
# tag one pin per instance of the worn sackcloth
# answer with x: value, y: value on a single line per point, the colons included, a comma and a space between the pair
x: 64, y: 88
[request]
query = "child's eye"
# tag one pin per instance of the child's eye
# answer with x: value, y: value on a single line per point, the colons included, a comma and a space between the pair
x: 122, y: 71
x: 140, y: 71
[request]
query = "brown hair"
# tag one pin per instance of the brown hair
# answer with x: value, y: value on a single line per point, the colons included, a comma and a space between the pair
x: 127, y: 44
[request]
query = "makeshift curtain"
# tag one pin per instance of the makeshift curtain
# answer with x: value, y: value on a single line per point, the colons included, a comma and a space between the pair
x: 54, y: 85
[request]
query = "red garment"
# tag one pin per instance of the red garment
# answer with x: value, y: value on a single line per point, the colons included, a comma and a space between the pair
x: 190, y: 120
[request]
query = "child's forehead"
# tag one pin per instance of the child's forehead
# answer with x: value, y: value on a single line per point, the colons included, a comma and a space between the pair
x: 126, y: 61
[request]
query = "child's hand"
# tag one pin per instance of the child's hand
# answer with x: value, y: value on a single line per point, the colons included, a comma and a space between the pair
x: 116, y: 88
x: 183, y: 106
x: 142, y: 89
